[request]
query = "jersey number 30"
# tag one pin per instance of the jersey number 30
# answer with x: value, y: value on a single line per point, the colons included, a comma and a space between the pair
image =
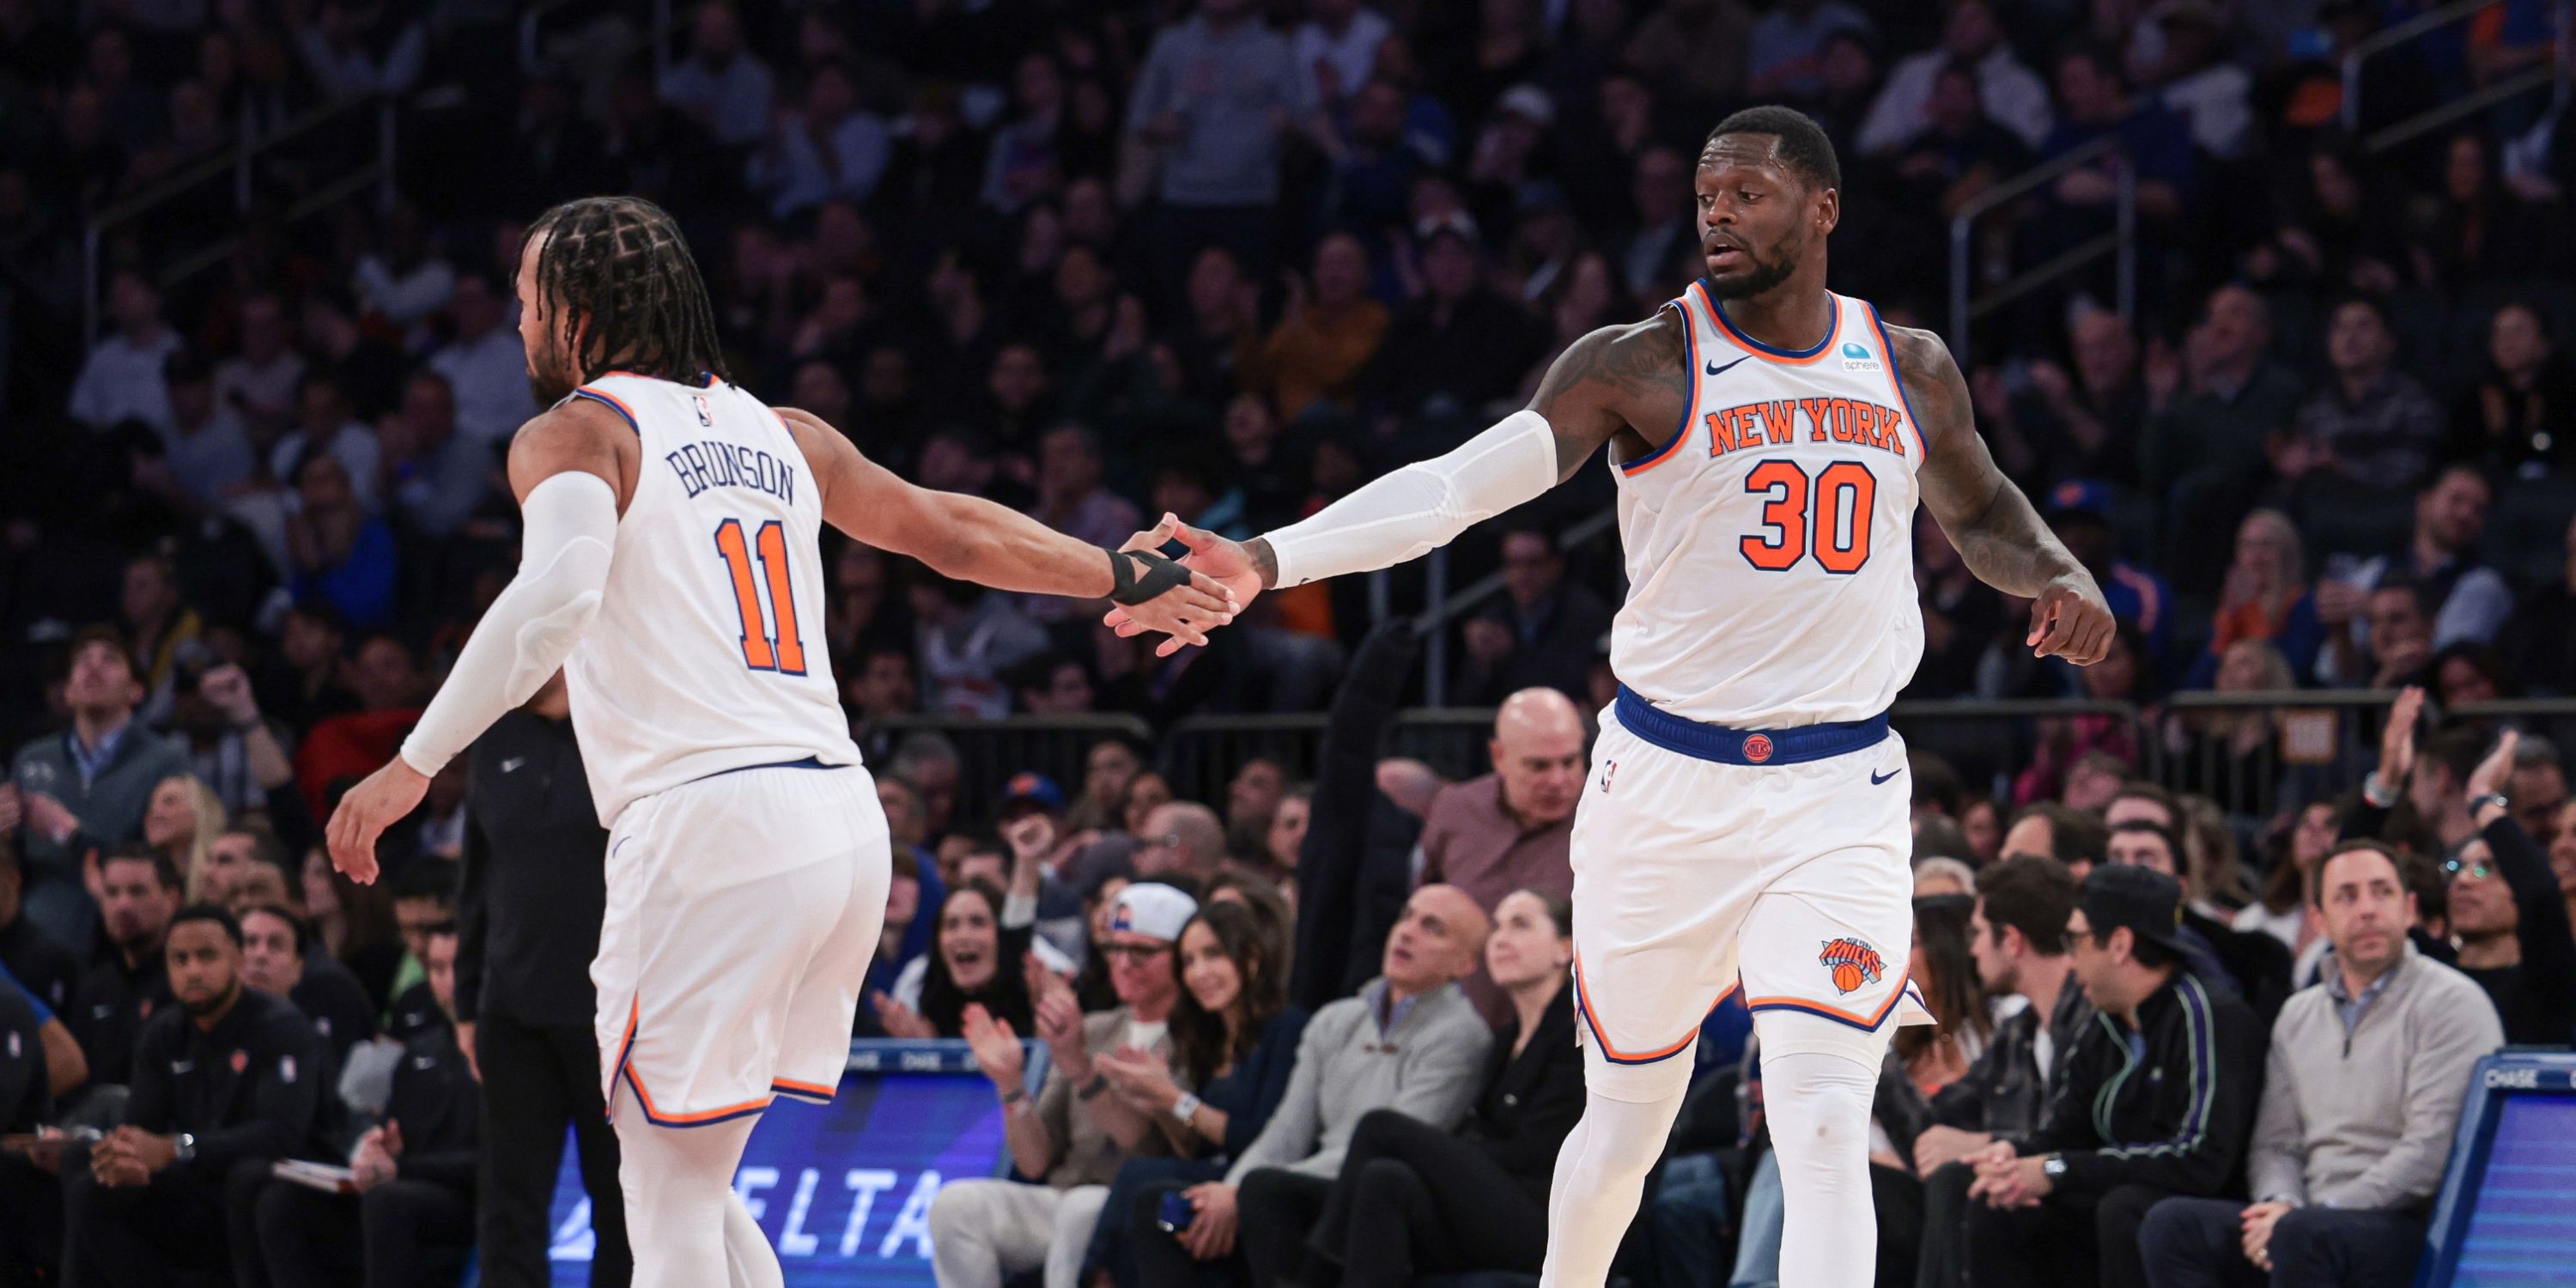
x: 1806, y: 516
x: 783, y: 651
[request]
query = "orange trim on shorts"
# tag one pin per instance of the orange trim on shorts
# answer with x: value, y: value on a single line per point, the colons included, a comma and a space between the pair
x: 803, y: 1088
x: 625, y: 1069
x: 1583, y: 1003
x: 1824, y: 1011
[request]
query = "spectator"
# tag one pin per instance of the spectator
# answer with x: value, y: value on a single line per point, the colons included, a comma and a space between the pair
x: 2377, y: 425
x: 1412, y: 1200
x: 2068, y: 743
x: 1659, y: 229
x: 2265, y: 597
x: 434, y: 476
x: 122, y: 377
x: 1251, y: 797
x: 1072, y: 500
x: 325, y: 424
x: 1459, y: 346
x: 1023, y: 165
x: 210, y: 455
x: 485, y: 365
x: 1181, y: 838
x: 257, y: 385
x: 1543, y: 633
x: 2519, y: 417
x: 721, y: 86
x: 2017, y: 937
x: 1216, y: 96
x: 968, y: 636
x: 2052, y: 831
x: 2461, y: 598
x: 2009, y: 94
x: 339, y: 551
x: 414, y: 1209
x: 928, y: 763
x: 2282, y: 910
x: 2539, y: 639
x: 88, y: 786
x: 171, y: 1188
x: 2537, y: 789
x: 2209, y: 415
x: 2064, y: 1202
x: 1409, y: 1042
x: 975, y: 960
x: 2367, y: 1072
x: 1235, y: 1038
x: 2080, y: 515
x: 41, y: 963
x: 353, y: 51
x: 1784, y: 53
x: 1072, y: 1138
x: 1511, y: 829
x: 385, y: 676
x: 2508, y: 915
x: 405, y: 279
x: 275, y: 962
x: 1327, y: 337
x: 424, y: 899
x: 354, y: 924
x: 828, y: 151
x: 2256, y: 965
x: 1109, y: 765
x: 2193, y: 79
x: 1281, y: 841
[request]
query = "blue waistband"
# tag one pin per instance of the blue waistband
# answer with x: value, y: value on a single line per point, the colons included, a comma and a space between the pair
x: 1747, y: 746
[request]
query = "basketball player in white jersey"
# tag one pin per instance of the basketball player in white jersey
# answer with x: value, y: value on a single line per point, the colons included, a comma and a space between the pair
x: 1745, y: 821
x: 670, y: 569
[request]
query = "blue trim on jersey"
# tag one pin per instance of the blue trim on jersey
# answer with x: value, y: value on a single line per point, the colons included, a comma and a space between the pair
x: 809, y: 762
x: 1833, y: 327
x: 1726, y: 746
x: 613, y: 405
x: 1690, y: 406
x: 1896, y: 376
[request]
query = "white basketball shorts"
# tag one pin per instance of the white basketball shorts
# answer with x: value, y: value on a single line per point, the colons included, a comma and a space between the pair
x: 1707, y: 860
x: 743, y: 909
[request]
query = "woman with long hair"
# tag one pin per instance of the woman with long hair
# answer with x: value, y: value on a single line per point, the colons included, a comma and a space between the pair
x: 353, y: 923
x: 1413, y: 1200
x: 1935, y: 1055
x: 1234, y: 1037
x: 2266, y: 597
x: 974, y: 960
x: 2282, y: 909
x: 182, y: 820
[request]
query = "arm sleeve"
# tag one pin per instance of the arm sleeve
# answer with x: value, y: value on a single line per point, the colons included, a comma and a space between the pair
x: 472, y: 921
x: 1293, y: 1127
x: 2278, y: 1167
x: 2452, y: 1037
x: 532, y: 627
x: 1423, y: 506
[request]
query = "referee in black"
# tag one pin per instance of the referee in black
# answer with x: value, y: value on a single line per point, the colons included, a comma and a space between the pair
x: 535, y: 886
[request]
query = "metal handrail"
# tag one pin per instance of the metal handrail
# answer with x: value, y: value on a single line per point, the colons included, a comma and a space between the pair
x: 2122, y: 241
x: 2434, y: 118
x: 2380, y: 42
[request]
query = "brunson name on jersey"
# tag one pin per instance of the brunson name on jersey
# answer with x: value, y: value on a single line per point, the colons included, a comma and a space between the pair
x: 1780, y: 421
x: 711, y: 463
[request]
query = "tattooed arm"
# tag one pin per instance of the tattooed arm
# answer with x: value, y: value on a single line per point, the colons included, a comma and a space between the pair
x: 1998, y: 534
x: 1619, y: 383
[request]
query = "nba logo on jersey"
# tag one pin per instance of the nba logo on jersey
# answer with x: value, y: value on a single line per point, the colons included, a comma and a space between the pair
x: 1852, y: 962
x: 705, y: 416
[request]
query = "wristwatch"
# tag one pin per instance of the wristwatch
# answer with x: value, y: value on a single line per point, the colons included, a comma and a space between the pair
x: 2496, y: 799
x: 2053, y: 1167
x: 2378, y: 791
x: 1187, y: 1107
x: 186, y: 1149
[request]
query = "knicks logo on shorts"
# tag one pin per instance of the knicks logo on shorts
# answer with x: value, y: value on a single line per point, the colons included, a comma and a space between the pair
x: 1852, y: 963
x: 1757, y: 748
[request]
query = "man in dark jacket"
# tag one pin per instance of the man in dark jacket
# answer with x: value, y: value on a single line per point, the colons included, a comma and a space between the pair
x: 275, y: 961
x: 2155, y: 1101
x: 47, y: 966
x: 414, y: 1208
x: 2017, y: 935
x: 131, y: 981
x: 225, y: 1083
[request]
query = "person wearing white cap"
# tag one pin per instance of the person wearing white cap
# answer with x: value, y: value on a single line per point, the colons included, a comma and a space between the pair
x: 1068, y: 1134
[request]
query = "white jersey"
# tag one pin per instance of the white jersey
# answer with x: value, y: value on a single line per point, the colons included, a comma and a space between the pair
x: 1770, y: 542
x: 708, y: 653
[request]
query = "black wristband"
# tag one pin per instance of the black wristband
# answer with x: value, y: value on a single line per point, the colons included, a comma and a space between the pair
x: 1161, y: 574
x: 1099, y: 1083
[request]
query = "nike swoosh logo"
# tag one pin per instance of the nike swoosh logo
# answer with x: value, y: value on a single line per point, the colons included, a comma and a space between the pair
x: 1716, y: 370
x: 511, y: 766
x: 1876, y: 778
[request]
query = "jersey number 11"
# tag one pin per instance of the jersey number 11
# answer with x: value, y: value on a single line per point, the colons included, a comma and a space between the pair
x: 783, y: 651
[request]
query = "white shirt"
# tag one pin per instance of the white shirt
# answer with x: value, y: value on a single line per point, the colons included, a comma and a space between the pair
x: 2213, y: 102
x: 1352, y: 55
x: 270, y: 388
x: 122, y: 379
x: 2014, y: 97
x: 489, y: 377
x: 408, y: 298
x: 354, y: 446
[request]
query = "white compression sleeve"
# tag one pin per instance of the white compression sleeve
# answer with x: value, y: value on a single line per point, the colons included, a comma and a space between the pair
x: 530, y: 630
x: 1422, y: 506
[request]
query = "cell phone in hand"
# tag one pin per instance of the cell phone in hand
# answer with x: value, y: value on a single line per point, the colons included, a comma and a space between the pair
x: 1176, y: 1213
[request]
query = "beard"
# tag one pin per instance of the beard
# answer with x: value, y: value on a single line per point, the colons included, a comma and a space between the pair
x: 1764, y: 275
x: 201, y: 1007
x: 549, y: 387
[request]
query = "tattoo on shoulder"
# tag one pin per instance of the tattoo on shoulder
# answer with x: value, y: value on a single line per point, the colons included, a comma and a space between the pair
x: 1932, y: 380
x: 1637, y: 361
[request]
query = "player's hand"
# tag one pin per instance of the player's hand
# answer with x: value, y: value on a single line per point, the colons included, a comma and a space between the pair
x: 2071, y: 620
x: 1227, y: 563
x: 375, y: 804
x: 2397, y: 739
x: 1211, y: 1232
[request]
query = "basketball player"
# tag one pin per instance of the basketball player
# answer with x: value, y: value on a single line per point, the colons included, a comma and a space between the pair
x: 1744, y: 824
x: 670, y: 568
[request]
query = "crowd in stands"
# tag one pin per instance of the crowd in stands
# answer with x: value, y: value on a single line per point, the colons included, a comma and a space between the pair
x: 1101, y: 262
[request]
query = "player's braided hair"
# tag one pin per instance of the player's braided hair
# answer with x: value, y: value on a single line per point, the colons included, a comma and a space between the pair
x: 621, y: 265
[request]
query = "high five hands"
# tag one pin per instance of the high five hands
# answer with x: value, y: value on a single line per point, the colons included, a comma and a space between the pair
x: 1213, y: 558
